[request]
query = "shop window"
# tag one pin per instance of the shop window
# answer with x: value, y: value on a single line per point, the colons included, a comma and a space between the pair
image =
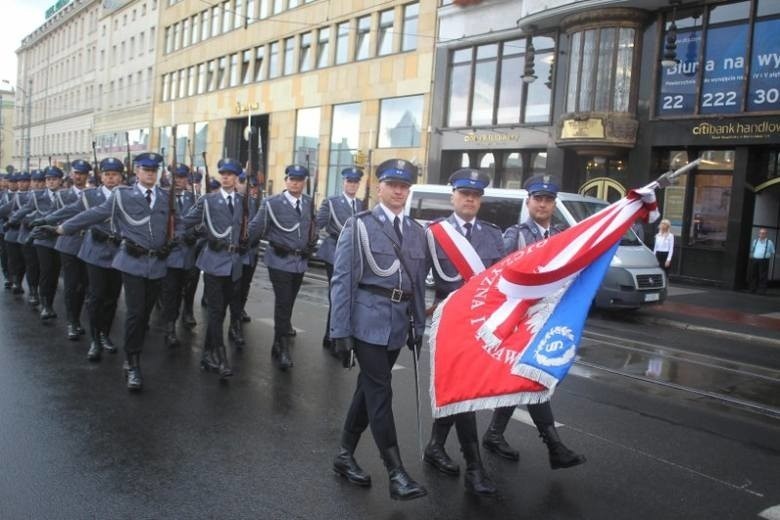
x: 307, y: 137
x: 513, y: 171
x: 400, y: 121
x: 344, y: 135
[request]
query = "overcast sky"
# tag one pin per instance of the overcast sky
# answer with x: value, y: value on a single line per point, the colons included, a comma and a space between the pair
x: 20, y: 18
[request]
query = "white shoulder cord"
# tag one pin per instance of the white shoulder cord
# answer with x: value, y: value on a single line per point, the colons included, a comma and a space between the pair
x: 59, y: 198
x: 276, y: 222
x: 127, y: 217
x: 435, y: 258
x: 384, y: 273
x: 213, y: 231
x: 35, y: 203
x: 520, y: 240
x: 333, y: 216
x: 84, y: 200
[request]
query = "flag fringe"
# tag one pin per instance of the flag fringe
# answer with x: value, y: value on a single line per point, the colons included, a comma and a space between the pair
x: 535, y: 374
x: 490, y: 403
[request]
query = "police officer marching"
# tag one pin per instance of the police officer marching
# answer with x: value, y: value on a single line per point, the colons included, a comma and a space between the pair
x: 19, y: 184
x: 485, y: 241
x: 285, y: 221
x: 32, y: 268
x: 377, y: 295
x: 221, y: 260
x: 5, y: 198
x: 332, y: 215
x: 542, y: 192
x: 139, y: 213
x: 182, y: 257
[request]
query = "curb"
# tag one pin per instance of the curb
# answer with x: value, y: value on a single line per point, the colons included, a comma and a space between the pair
x: 742, y: 336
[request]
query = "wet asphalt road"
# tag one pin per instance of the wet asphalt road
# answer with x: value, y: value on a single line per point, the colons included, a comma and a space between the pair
x: 75, y: 444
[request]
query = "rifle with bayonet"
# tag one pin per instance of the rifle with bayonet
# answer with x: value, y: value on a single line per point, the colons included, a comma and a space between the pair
x: 205, y: 173
x: 190, y: 153
x: 171, y: 228
x: 128, y: 158
x: 97, y: 165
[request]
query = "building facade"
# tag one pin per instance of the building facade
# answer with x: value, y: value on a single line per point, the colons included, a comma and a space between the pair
x: 324, y: 84
x: 56, y: 87
x: 7, y: 113
x: 609, y: 95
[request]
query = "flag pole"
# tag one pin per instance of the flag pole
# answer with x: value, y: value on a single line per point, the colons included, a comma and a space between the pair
x: 417, y: 400
x: 668, y: 178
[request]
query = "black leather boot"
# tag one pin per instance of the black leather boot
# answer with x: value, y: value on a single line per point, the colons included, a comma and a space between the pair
x: 223, y: 366
x: 47, y: 312
x: 434, y: 452
x: 235, y: 334
x: 79, y: 328
x: 283, y: 353
x: 188, y: 317
x: 208, y: 360
x: 494, y: 441
x: 8, y: 283
x: 16, y: 288
x: 402, y: 486
x: 327, y: 344
x: 170, y: 339
x: 245, y: 317
x: 135, y: 381
x: 94, y: 351
x: 33, y: 298
x: 345, y: 464
x: 476, y: 479
x: 106, y: 343
x: 560, y: 455
x: 73, y: 331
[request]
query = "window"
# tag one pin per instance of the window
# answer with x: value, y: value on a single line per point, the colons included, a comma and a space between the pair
x: 211, y: 77
x: 400, y: 120
x: 711, y: 199
x: 222, y: 76
x: 273, y: 60
x: 215, y: 17
x: 459, y: 87
x: 176, y: 38
x: 363, y: 38
x: 238, y: 17
x: 259, y: 71
x: 592, y: 85
x: 409, y: 39
x: 304, y: 58
x: 141, y: 44
x: 307, y: 137
x: 278, y: 6
x: 289, y: 56
x: 174, y: 85
x: 168, y: 40
x: 292, y: 3
x: 185, y: 32
x: 234, y: 72
x: 342, y: 41
x: 484, y: 84
x: 344, y: 134
x: 151, y: 39
x: 192, y: 80
x: 246, y: 67
x: 195, y: 29
x: 205, y: 25
x: 227, y: 16
x: 384, y: 43
x: 264, y: 10
x: 323, y: 47
x: 132, y: 47
x: 182, y: 83
x: 202, y: 78
x: 251, y: 11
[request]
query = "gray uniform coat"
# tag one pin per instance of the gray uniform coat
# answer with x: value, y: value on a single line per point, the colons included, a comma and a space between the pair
x: 221, y: 228
x: 39, y: 204
x: 17, y: 201
x: 136, y: 222
x: 70, y: 244
x: 520, y: 235
x: 182, y: 255
x: 362, y: 314
x: 287, y: 232
x: 333, y: 213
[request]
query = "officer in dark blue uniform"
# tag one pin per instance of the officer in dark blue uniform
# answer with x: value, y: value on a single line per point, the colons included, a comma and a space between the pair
x: 285, y: 220
x: 5, y: 198
x: 19, y: 185
x: 542, y: 192
x: 333, y: 213
x: 220, y: 213
x: 249, y: 259
x: 181, y: 259
x: 139, y: 213
x: 378, y: 306
x: 468, y: 186
x: 32, y: 268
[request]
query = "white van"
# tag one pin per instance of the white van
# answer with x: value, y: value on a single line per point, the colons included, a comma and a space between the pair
x: 634, y: 277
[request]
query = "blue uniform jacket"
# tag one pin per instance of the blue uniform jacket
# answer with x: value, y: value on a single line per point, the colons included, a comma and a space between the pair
x: 39, y: 204
x: 182, y: 255
x: 16, y: 202
x: 520, y: 235
x: 333, y: 213
x: 135, y: 221
x: 222, y: 228
x: 488, y: 243
x: 356, y: 311
x: 70, y: 244
x: 279, y: 223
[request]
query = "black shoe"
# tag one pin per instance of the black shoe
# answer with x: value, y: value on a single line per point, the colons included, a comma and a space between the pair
x: 170, y: 339
x: 8, y: 284
x: 73, y: 332
x: 235, y: 334
x: 245, y: 317
x: 434, y: 451
x: 135, y: 381
x: 283, y: 353
x: 17, y: 289
x: 494, y: 441
x: 402, y: 486
x: 327, y: 344
x: 209, y: 361
x: 291, y: 333
x: 560, y: 455
x: 345, y: 465
x: 224, y: 366
x: 107, y: 344
x: 476, y: 479
x: 94, y: 351
x: 47, y: 312
x: 80, y: 329
x: 188, y: 320
x: 33, y: 299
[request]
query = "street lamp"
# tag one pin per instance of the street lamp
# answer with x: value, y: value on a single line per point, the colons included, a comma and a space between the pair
x: 28, y: 94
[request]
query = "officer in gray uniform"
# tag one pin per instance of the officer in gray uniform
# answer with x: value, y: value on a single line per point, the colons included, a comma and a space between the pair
x: 378, y: 306
x: 542, y: 192
x: 42, y: 203
x: 286, y: 222
x: 181, y: 259
x: 19, y: 185
x: 97, y: 251
x: 5, y: 198
x: 33, y: 272
x: 468, y: 186
x: 333, y: 213
x: 219, y: 213
x: 139, y: 214
x: 74, y: 270
x: 249, y: 259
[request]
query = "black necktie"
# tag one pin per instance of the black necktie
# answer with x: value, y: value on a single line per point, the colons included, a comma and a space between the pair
x: 181, y: 202
x: 149, y: 197
x: 546, y: 234
x: 467, y: 225
x: 354, y: 207
x: 397, y: 227
x: 230, y: 204
x: 298, y: 207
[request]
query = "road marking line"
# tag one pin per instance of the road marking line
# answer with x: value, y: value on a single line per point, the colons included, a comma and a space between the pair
x: 524, y: 417
x: 771, y: 513
x: 775, y: 315
x: 270, y: 322
x: 398, y: 367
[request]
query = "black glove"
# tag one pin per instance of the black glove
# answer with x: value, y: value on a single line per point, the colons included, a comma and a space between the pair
x: 44, y: 232
x: 414, y: 342
x: 166, y: 248
x: 190, y: 239
x: 38, y: 222
x: 342, y: 349
x: 243, y: 247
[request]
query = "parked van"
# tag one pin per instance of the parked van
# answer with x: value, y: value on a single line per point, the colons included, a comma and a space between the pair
x: 633, y: 278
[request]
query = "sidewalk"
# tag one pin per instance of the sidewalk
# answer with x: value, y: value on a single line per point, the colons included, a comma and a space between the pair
x: 742, y: 315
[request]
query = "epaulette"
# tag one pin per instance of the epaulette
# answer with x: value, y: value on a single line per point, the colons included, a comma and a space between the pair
x: 489, y: 224
x: 415, y: 222
x: 363, y: 214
